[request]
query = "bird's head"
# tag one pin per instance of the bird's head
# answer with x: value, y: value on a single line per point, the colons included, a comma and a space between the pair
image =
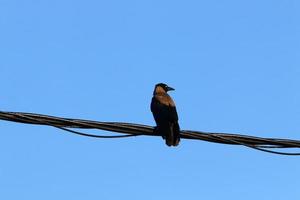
x: 162, y: 88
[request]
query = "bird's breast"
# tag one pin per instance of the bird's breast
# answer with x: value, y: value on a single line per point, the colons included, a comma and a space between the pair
x: 165, y: 99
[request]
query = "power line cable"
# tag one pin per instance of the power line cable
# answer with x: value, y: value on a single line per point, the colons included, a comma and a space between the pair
x: 132, y: 130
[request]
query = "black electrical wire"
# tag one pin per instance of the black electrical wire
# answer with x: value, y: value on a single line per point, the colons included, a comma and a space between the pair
x: 132, y: 130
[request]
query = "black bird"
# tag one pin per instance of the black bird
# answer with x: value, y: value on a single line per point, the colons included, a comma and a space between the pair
x: 165, y: 114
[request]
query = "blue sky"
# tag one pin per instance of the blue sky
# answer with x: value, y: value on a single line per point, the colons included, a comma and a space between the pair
x: 235, y: 68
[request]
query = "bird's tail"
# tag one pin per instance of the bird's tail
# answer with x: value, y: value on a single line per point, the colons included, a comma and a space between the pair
x: 176, y: 133
x: 173, y: 134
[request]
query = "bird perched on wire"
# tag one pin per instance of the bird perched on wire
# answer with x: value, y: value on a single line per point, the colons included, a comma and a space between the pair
x: 165, y: 114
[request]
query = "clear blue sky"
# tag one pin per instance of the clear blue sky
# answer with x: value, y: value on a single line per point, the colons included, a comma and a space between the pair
x: 235, y: 67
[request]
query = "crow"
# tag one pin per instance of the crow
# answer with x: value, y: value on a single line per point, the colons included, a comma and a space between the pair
x: 164, y: 112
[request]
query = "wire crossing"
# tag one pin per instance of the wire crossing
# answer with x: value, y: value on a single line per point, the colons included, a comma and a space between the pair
x: 131, y: 130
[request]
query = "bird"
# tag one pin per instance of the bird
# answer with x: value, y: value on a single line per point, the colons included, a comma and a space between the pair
x: 165, y: 114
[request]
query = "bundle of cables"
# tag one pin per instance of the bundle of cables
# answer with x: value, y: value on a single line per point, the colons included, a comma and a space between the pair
x: 130, y: 130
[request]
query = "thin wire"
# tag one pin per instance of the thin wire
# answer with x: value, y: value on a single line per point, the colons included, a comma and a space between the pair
x: 79, y: 133
x: 261, y: 149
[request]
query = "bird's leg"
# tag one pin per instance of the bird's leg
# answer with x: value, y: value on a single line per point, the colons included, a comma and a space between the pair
x: 157, y: 132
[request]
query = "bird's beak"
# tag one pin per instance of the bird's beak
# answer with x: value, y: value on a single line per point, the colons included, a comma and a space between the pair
x: 170, y: 89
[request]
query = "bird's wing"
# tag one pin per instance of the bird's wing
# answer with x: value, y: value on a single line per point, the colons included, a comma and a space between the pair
x: 163, y: 108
